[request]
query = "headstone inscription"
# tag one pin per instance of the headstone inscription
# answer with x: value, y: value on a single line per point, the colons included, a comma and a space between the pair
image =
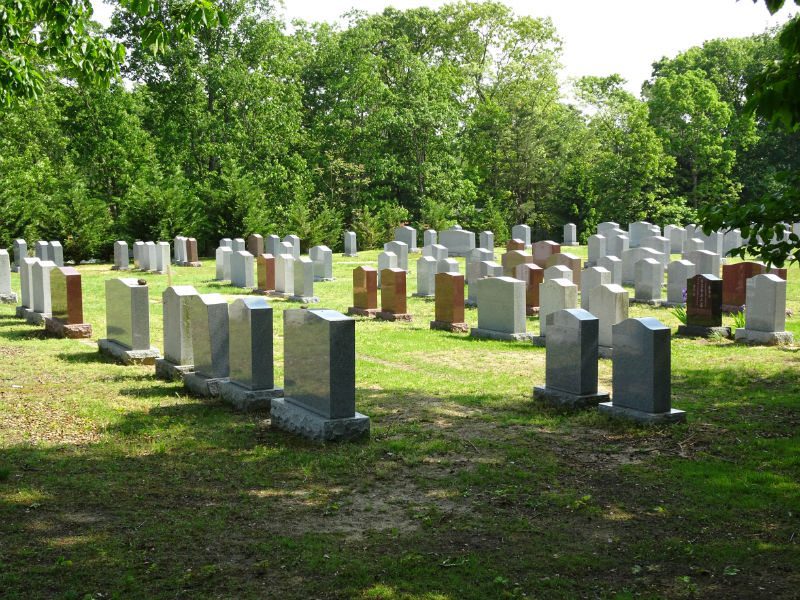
x: 319, y: 378
x: 571, y: 360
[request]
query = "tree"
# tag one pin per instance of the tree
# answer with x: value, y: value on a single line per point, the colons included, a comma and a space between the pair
x: 774, y: 96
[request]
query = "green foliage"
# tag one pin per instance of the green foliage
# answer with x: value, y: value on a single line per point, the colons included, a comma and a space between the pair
x: 315, y: 224
x: 679, y: 312
x: 739, y: 320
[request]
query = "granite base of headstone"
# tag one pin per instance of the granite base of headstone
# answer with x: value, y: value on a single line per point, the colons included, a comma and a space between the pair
x: 246, y: 400
x: 763, y: 338
x: 127, y: 356
x: 77, y: 331
x: 201, y: 386
x: 169, y: 371
x: 9, y: 298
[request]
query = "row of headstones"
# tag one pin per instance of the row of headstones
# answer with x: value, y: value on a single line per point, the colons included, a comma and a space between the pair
x: 226, y: 351
x: 156, y: 257
x: 52, y: 251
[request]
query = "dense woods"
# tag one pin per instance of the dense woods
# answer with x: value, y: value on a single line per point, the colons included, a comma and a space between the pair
x: 424, y: 116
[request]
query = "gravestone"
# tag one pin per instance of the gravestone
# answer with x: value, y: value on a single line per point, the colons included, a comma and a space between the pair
x: 591, y: 278
x: 265, y: 273
x: 511, y: 259
x: 482, y: 270
x: 554, y: 295
x: 616, y: 244
x: 178, y: 356
x: 691, y: 245
x: 319, y: 378
x: 295, y: 242
x: 7, y: 295
x: 704, y: 307
x: 458, y: 242
x: 66, y: 305
x: 128, y: 322
x: 631, y: 257
x: 449, y: 313
x: 42, y: 300
x: 606, y: 226
x: 26, y: 286
x: 239, y: 245
x: 304, y: 281
x: 597, y: 249
x: 660, y: 245
x: 515, y: 244
x: 242, y: 269
x: 255, y: 245
x: 570, y: 235
x: 226, y: 243
x: 407, y: 235
x: 472, y: 269
x: 273, y: 244
x: 138, y: 254
x: 641, y: 378
x: 447, y: 265
x: 223, y: 262
x: 429, y: 237
x: 531, y: 275
x: 557, y: 272
x: 436, y: 251
x: 42, y: 250
x: 486, y: 241
x: 765, y: 312
x: 56, y: 253
x: 522, y: 232
x: 731, y: 240
x: 287, y: 248
x: 690, y: 229
x: 648, y: 281
x: 712, y: 241
x: 251, y: 384
x: 704, y: 261
x: 501, y: 309
x: 678, y: 271
x: 163, y: 254
x: 209, y: 334
x: 543, y: 250
x: 350, y: 244
x: 734, y: 283
x: 322, y: 257
x: 568, y: 260
x: 121, y: 257
x: 400, y: 250
x: 386, y: 260
x: 284, y: 276
x: 637, y: 232
x: 426, y: 277
x: 365, y: 292
x: 192, y: 256
x: 571, y: 361
x: 610, y: 305
x: 179, y: 249
x: 393, y: 296
x: 20, y: 247
x: 676, y: 236
x: 151, y: 250
x: 613, y: 265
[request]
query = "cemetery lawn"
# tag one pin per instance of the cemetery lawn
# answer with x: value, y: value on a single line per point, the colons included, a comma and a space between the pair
x: 116, y: 485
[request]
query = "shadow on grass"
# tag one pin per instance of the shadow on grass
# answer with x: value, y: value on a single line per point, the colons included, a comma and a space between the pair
x: 155, y: 390
x: 90, y: 355
x: 35, y: 333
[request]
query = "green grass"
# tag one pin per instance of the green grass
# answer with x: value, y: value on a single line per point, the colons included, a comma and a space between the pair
x: 116, y: 485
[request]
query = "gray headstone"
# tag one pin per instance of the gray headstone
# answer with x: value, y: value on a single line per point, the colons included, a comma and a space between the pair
x: 501, y: 304
x: 386, y: 260
x: 472, y: 267
x: 591, y: 278
x: 705, y: 262
x: 350, y: 244
x: 226, y: 243
x: 676, y: 236
x: 637, y: 232
x: 41, y: 286
x: 223, y: 263
x: 42, y: 250
x: 447, y: 265
x: 597, y: 249
x: 642, y: 366
x: 151, y: 251
x: 631, y: 257
x: 242, y: 265
x: 691, y: 245
x: 558, y: 272
x: 322, y: 257
x: 26, y: 281
x: 400, y: 249
x: 555, y: 295
x: 570, y: 235
x: 20, y: 252
x: 486, y: 241
x: 429, y: 237
x: 678, y: 271
x: 609, y: 303
x: 250, y: 344
x: 5, y: 274
x: 616, y: 244
x: 458, y: 242
x: 138, y: 254
x: 304, y: 277
x: 284, y: 274
x: 766, y: 303
x: 606, y: 226
x: 177, y: 335
x: 659, y: 244
x: 649, y: 277
x: 713, y: 241
x: 407, y: 235
x: 731, y: 241
x: 121, y: 256
x: 163, y: 253
x: 426, y: 276
x: 571, y: 355
x: 128, y: 313
x: 208, y: 327
x: 56, y: 253
x: 320, y: 362
x: 239, y: 245
x: 273, y: 244
x: 613, y: 265
x: 522, y: 232
x: 295, y: 242
x: 436, y: 251
x: 481, y: 270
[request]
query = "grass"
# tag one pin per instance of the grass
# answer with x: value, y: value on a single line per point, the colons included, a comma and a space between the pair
x: 117, y: 485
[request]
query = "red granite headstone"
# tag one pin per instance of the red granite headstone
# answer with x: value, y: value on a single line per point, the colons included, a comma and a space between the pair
x: 734, y: 283
x: 265, y: 270
x: 393, y: 295
x: 192, y: 257
x: 66, y: 305
x: 515, y: 244
x: 543, y: 250
x: 365, y: 291
x: 450, y: 303
x: 532, y: 275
